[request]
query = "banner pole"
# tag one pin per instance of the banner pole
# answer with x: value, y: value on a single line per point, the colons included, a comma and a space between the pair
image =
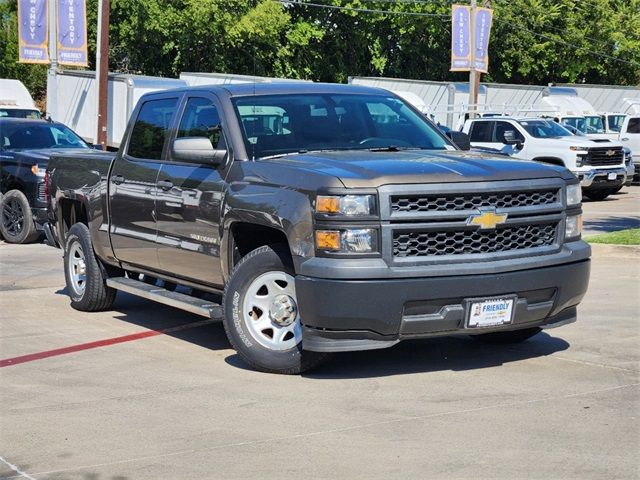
x: 473, y: 74
x: 52, y: 94
x: 102, y: 72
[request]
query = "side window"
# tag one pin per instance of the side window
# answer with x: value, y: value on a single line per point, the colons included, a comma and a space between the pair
x: 481, y: 131
x: 634, y: 125
x: 201, y: 119
x: 151, y: 128
x: 501, y: 127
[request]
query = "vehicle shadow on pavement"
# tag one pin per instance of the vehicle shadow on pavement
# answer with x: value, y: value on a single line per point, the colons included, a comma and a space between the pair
x: 154, y: 316
x: 434, y: 355
x: 611, y: 224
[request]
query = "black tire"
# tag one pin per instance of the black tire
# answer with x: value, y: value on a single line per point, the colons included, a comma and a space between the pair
x: 262, y: 261
x: 512, y: 336
x: 92, y: 293
x: 16, y: 219
x: 598, y: 195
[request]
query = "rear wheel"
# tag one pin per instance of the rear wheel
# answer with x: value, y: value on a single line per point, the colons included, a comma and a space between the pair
x: 261, y: 317
x: 513, y: 336
x: 85, y: 277
x: 16, y: 224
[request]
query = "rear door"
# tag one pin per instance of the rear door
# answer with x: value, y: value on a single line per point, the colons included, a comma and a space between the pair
x: 132, y: 189
x: 630, y: 136
x: 190, y: 198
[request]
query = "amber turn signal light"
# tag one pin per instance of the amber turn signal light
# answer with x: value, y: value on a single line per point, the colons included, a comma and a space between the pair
x: 328, y: 240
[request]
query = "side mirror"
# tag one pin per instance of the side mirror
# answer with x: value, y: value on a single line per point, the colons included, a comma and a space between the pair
x: 509, y: 138
x: 460, y: 139
x: 196, y: 150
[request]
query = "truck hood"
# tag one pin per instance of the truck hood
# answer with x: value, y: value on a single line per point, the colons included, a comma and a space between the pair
x: 372, y: 169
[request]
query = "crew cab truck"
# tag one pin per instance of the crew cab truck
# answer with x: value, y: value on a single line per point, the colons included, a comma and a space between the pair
x: 25, y: 148
x: 329, y: 217
x: 600, y: 167
x: 630, y: 137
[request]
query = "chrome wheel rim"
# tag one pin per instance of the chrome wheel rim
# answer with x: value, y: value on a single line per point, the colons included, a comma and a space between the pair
x: 270, y: 311
x: 77, y: 268
x: 12, y: 217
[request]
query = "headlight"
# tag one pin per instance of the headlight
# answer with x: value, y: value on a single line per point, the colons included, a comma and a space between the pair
x: 574, y: 194
x: 347, y: 205
x: 361, y: 240
x: 578, y: 148
x: 39, y: 171
x: 574, y: 226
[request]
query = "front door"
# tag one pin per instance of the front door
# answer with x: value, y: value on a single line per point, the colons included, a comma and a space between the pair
x: 189, y: 201
x: 133, y: 178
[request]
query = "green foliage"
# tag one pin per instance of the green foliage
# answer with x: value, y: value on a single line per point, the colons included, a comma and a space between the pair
x: 621, y: 237
x: 532, y: 42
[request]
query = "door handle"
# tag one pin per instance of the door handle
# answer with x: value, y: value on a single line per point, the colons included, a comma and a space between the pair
x: 165, y: 184
x: 117, y: 179
x: 626, y: 139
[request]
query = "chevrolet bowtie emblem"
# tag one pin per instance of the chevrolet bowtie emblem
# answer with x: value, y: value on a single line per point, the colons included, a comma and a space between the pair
x: 610, y: 153
x: 487, y: 220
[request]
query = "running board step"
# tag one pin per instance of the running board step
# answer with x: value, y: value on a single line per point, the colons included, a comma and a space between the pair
x: 161, y: 295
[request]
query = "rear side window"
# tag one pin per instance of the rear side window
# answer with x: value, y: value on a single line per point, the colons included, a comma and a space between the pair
x: 151, y: 128
x: 481, y: 131
x: 634, y: 125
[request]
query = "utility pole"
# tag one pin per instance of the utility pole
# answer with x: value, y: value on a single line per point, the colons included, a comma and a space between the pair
x: 52, y: 98
x: 102, y: 72
x: 474, y: 76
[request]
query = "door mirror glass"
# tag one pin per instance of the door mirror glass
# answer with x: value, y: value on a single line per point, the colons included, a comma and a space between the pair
x: 509, y: 137
x: 460, y: 139
x: 196, y: 150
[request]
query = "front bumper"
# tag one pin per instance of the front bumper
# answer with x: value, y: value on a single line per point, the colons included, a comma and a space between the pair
x: 343, y: 315
x: 599, y: 178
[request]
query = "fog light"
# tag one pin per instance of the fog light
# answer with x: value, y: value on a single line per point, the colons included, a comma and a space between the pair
x: 573, y: 226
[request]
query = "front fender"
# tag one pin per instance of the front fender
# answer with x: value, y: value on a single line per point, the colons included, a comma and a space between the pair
x: 286, y: 210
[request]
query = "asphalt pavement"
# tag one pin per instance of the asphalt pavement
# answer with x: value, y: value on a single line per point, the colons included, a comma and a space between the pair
x: 145, y: 391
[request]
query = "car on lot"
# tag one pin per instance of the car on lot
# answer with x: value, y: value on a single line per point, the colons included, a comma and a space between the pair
x: 600, y: 166
x: 349, y: 222
x: 25, y: 148
x: 630, y: 137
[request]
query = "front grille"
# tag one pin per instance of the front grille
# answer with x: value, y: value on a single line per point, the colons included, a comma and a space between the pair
x: 464, y: 241
x: 603, y: 156
x: 42, y: 191
x: 472, y: 201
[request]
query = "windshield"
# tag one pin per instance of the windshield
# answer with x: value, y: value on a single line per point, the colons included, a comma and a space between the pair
x: 578, y: 123
x: 615, y: 122
x: 276, y: 125
x: 545, y: 129
x: 19, y: 113
x: 22, y: 136
x: 594, y: 124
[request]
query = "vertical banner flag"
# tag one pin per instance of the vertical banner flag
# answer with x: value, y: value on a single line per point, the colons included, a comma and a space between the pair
x: 72, y: 32
x: 33, y: 33
x: 484, y: 18
x: 460, y: 37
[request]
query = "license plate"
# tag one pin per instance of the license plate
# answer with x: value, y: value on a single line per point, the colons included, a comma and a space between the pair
x: 612, y: 176
x: 490, y: 312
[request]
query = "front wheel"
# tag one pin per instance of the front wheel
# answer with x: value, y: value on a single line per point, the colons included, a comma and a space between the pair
x: 261, y: 317
x: 16, y: 224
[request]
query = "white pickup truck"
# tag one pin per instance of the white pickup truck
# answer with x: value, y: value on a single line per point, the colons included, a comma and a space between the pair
x: 630, y: 137
x: 599, y: 166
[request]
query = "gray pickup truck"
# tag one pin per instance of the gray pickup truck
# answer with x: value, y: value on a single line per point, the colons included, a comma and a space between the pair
x: 317, y: 218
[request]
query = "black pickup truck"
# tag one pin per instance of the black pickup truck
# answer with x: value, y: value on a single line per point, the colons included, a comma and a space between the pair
x: 316, y: 218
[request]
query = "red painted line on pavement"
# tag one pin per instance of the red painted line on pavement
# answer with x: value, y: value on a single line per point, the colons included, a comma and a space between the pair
x: 8, y: 362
